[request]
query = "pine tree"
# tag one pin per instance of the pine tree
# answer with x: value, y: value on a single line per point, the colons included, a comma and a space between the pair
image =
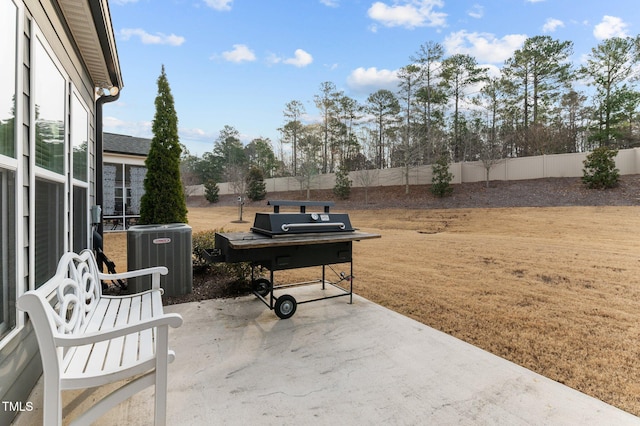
x: 256, y: 188
x: 163, y: 201
x: 342, y: 189
x: 441, y: 179
x: 600, y: 170
x: 211, y: 191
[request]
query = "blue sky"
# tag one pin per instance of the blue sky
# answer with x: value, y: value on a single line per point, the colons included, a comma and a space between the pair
x: 238, y: 62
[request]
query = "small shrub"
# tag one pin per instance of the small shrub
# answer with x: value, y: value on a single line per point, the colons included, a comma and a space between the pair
x: 256, y: 188
x: 342, y: 189
x: 206, y: 240
x: 441, y: 180
x: 600, y: 170
x: 211, y: 191
x: 199, y: 242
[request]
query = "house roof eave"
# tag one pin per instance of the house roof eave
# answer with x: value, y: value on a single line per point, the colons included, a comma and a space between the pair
x: 92, y: 30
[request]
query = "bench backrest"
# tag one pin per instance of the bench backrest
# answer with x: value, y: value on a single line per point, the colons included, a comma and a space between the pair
x: 78, y: 290
x: 65, y: 303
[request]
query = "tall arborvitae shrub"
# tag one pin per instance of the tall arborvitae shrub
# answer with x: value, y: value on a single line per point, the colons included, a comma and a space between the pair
x: 600, y: 169
x: 163, y: 200
x: 256, y: 188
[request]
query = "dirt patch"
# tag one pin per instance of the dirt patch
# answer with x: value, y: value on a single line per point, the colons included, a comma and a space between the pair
x: 554, y: 289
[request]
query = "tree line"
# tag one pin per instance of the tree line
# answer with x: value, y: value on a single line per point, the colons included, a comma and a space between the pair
x: 450, y: 107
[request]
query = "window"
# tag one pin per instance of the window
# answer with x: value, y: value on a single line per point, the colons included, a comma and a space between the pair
x: 80, y: 219
x: 7, y: 251
x: 123, y: 190
x: 110, y: 173
x: 8, y: 51
x: 50, y: 203
x: 50, y: 112
x: 80, y: 173
x: 8, y: 164
x: 136, y: 177
x: 79, y: 139
x: 49, y: 214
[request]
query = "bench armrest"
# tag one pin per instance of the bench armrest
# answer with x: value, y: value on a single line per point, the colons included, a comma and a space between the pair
x: 172, y: 320
x: 155, y: 273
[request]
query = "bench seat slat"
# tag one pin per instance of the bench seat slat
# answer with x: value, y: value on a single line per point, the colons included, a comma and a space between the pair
x: 131, y: 341
x: 146, y: 336
x: 116, y: 346
x: 76, y: 358
x: 99, y: 351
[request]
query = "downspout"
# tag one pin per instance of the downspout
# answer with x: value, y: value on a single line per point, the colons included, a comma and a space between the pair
x: 99, y: 155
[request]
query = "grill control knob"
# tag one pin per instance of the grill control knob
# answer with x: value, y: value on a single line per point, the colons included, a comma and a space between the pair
x: 314, y: 216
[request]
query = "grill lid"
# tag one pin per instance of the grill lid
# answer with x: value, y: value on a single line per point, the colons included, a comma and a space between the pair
x: 277, y: 224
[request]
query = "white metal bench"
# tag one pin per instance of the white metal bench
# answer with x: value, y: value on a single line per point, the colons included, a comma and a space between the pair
x: 87, y: 339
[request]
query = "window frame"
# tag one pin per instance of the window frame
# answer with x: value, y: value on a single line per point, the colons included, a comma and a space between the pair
x: 11, y: 164
x: 123, y: 194
x: 38, y: 172
x: 5, y: 281
x: 16, y: 71
x: 78, y: 183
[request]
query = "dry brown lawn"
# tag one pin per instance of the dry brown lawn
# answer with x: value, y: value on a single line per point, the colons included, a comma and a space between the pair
x: 556, y: 290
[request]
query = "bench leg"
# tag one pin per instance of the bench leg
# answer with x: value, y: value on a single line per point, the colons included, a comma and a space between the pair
x: 114, y: 398
x: 162, y: 363
x: 159, y: 377
x: 52, y: 402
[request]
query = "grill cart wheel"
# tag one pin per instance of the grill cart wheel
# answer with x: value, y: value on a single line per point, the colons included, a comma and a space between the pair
x: 285, y: 306
x: 262, y: 286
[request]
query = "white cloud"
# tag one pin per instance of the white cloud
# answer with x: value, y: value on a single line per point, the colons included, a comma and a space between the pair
x: 611, y: 26
x: 219, y: 4
x: 330, y: 3
x: 370, y: 79
x: 551, y: 25
x: 300, y: 59
x: 408, y: 13
x: 146, y: 38
x: 195, y: 134
x: 535, y: 1
x: 476, y: 11
x: 484, y: 47
x: 240, y: 53
x: 272, y: 58
x: 141, y: 129
x: 492, y: 70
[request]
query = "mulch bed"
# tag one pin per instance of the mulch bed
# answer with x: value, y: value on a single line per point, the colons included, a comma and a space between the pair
x: 549, y: 192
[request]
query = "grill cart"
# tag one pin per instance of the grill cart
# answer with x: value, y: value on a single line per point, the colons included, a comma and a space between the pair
x: 280, y: 241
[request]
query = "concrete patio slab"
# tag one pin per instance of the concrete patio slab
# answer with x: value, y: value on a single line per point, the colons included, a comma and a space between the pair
x: 335, y: 363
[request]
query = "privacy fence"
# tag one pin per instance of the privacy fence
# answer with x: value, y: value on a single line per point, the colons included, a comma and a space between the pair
x: 542, y: 166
